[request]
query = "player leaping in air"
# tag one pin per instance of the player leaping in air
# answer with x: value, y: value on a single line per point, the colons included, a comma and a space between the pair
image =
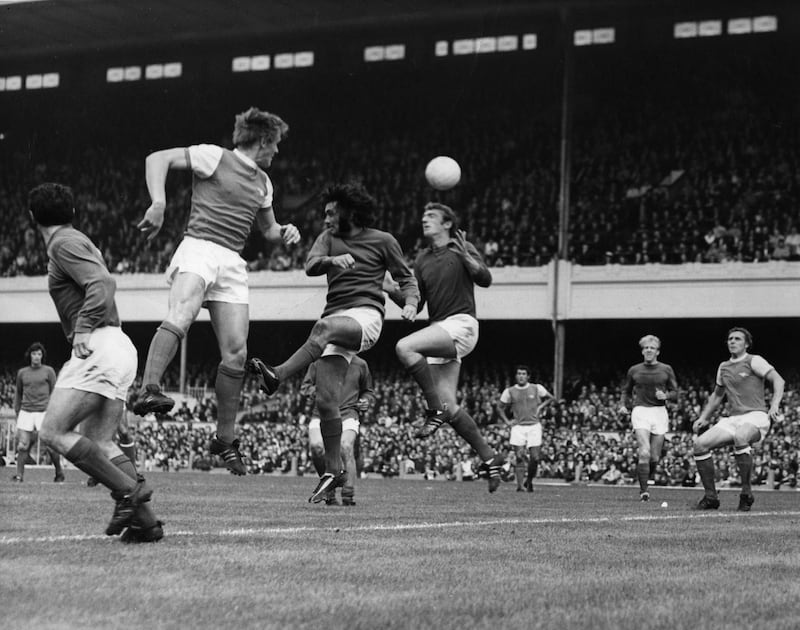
x: 447, y: 272
x: 355, y: 257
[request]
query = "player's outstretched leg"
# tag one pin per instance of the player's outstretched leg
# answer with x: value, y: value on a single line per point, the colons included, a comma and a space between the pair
x: 268, y: 380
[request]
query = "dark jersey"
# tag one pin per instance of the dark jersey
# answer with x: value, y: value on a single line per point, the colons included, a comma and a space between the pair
x: 644, y: 379
x: 375, y: 252
x: 79, y: 283
x: 357, y: 384
x: 34, y: 386
x: 446, y: 284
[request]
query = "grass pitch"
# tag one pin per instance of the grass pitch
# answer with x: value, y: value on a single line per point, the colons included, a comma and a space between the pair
x: 252, y: 553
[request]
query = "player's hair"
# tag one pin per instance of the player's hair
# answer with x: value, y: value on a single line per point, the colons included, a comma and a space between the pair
x: 354, y: 198
x: 51, y: 204
x: 33, y: 348
x: 649, y: 339
x: 521, y: 366
x: 447, y: 213
x: 252, y: 125
x: 748, y: 338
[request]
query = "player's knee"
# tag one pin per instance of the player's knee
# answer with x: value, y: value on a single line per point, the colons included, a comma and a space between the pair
x: 404, y: 352
x: 321, y: 331
x: 48, y: 435
x: 644, y: 454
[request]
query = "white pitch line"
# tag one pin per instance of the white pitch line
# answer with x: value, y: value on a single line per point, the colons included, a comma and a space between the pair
x: 245, y: 532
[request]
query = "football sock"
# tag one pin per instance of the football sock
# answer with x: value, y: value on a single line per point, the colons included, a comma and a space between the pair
x: 162, y: 350
x: 129, y: 449
x: 745, y: 463
x: 319, y: 464
x: 331, y: 429
x: 22, y: 457
x: 465, y: 426
x: 228, y: 387
x: 652, y: 469
x: 519, y: 474
x: 705, y: 466
x: 533, y: 468
x: 643, y: 473
x: 56, y: 459
x: 304, y: 356
x: 421, y: 372
x: 87, y: 456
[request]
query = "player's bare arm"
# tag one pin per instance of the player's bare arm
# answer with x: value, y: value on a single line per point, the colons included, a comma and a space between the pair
x: 714, y: 401
x: 778, y: 385
x: 274, y: 231
x: 156, y: 167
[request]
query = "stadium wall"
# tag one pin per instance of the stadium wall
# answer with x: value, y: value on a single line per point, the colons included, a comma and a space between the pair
x: 770, y: 289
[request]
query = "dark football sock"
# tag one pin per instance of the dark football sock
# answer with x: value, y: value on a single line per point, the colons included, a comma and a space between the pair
x: 533, y: 467
x: 129, y: 450
x: 22, y: 457
x: 56, y: 459
x: 228, y: 387
x: 643, y: 474
x: 706, y: 469
x: 331, y: 429
x: 745, y: 463
x: 421, y: 372
x: 465, y: 426
x: 304, y: 356
x: 162, y: 350
x: 87, y: 456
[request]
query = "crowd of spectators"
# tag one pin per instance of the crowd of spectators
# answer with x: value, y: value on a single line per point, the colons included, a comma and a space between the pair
x: 586, y: 438
x: 666, y: 168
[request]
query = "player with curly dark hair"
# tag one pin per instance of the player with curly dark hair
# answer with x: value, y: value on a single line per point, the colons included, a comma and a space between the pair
x: 355, y: 257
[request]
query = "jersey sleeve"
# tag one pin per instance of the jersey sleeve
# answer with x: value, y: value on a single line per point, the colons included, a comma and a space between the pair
x: 718, y: 380
x: 505, y: 397
x: 204, y: 160
x: 542, y: 391
x: 760, y: 365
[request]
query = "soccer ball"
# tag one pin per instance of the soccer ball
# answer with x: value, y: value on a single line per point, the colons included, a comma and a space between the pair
x: 443, y: 172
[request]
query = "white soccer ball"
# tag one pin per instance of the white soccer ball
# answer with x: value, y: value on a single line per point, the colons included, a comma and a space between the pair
x: 664, y: 504
x: 443, y: 172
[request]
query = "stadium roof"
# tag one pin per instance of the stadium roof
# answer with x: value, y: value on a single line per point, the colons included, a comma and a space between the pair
x: 43, y: 27
x: 31, y: 28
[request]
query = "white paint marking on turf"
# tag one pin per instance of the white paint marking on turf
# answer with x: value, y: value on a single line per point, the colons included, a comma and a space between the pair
x: 9, y: 540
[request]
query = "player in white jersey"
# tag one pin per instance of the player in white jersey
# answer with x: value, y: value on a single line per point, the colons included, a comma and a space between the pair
x: 524, y: 400
x: 741, y: 379
x: 229, y: 192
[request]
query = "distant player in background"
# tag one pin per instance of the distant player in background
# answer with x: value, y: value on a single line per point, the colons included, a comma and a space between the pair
x: 357, y: 397
x: 229, y: 192
x: 92, y: 386
x: 741, y: 379
x: 355, y: 258
x: 35, y: 383
x: 525, y: 401
x: 648, y: 386
x: 447, y: 272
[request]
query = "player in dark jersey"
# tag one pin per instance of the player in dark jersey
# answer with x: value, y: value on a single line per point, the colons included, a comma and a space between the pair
x: 447, y: 272
x: 355, y: 257
x: 741, y: 380
x: 229, y: 192
x: 35, y: 383
x: 647, y: 388
x: 357, y: 397
x: 91, y: 388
